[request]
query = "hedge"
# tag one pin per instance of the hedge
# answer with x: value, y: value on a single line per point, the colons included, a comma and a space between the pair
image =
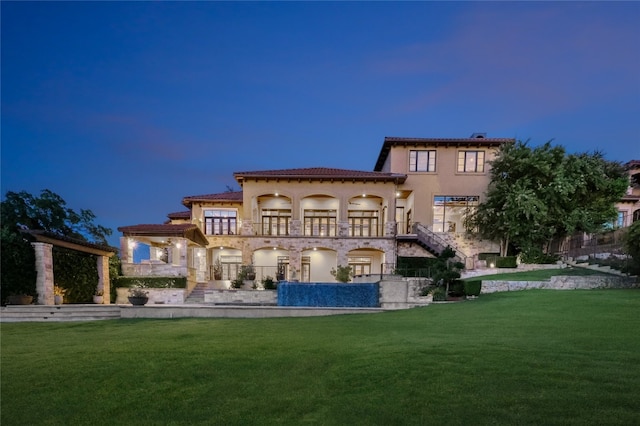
x: 151, y: 282
x: 472, y: 287
x: 506, y: 262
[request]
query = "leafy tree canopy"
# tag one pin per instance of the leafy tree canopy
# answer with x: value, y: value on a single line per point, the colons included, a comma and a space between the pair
x: 539, y: 194
x: 48, y: 212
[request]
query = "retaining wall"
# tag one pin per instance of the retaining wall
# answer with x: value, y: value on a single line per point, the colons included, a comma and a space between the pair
x: 561, y: 283
x: 169, y: 296
x: 247, y: 297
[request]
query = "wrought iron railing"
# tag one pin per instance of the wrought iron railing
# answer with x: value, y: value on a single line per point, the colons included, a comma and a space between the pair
x: 435, y: 242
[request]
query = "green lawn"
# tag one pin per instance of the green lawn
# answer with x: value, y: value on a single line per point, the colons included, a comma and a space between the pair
x: 539, y: 275
x: 526, y: 358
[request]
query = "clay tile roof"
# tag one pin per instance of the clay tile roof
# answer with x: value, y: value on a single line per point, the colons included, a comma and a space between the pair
x: 391, y: 141
x: 187, y: 230
x: 180, y: 215
x: 319, y: 173
x: 156, y: 228
x: 229, y: 196
x: 632, y: 164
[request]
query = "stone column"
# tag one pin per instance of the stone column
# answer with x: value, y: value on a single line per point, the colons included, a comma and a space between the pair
x: 44, y: 270
x: 126, y: 250
x: 103, y: 279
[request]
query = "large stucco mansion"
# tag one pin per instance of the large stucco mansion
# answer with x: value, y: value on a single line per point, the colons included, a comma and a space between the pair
x: 301, y: 223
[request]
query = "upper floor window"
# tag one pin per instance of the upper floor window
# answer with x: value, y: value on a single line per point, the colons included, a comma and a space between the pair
x: 275, y: 222
x: 471, y: 161
x: 422, y: 161
x: 320, y: 223
x: 220, y: 222
x: 363, y: 223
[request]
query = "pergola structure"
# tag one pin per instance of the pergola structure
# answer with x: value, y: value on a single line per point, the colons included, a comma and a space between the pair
x: 43, y: 245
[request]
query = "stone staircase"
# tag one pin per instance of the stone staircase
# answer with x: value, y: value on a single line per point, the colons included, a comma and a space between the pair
x: 435, y: 244
x: 594, y: 267
x: 57, y: 313
x: 197, y: 294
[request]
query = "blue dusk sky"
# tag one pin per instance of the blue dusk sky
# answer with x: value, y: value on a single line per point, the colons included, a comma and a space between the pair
x: 126, y: 107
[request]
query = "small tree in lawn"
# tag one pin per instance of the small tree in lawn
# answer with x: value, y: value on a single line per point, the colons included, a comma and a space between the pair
x: 446, y: 270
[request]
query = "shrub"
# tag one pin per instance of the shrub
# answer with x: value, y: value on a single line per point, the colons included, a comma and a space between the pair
x: 342, y: 274
x: 151, y: 282
x: 456, y: 288
x: 268, y: 283
x: 506, y: 262
x: 439, y: 294
x: 472, y: 287
x: 536, y: 255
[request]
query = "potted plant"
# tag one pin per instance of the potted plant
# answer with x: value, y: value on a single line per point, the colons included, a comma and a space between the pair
x: 138, y: 296
x: 249, y: 272
x: 217, y: 269
x: 98, y: 298
x: 280, y: 272
x: 58, y: 295
x: 19, y: 299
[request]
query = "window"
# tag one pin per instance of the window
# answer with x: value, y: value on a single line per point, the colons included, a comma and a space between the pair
x: 449, y: 212
x: 620, y: 221
x: 220, y: 222
x: 422, y: 161
x: 231, y: 266
x: 363, y: 223
x: 275, y: 222
x: 471, y: 161
x: 320, y: 223
x: 360, y: 265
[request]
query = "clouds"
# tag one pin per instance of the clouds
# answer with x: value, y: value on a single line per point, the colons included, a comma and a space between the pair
x: 529, y: 60
x: 131, y: 103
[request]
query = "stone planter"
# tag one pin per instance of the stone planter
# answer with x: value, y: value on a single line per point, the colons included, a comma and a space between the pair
x: 98, y: 300
x: 58, y: 299
x: 20, y: 299
x: 138, y: 301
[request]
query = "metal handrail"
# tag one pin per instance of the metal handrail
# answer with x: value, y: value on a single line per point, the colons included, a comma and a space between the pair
x: 432, y: 239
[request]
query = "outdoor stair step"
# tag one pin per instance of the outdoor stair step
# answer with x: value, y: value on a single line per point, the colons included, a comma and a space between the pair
x: 12, y: 313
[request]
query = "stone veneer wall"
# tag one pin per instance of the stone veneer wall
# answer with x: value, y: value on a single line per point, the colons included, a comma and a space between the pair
x: 168, y: 296
x: 561, y: 283
x: 397, y: 292
x: 229, y: 297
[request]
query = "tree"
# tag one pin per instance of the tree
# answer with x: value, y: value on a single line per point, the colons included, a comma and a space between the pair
x: 342, y: 274
x: 446, y: 270
x: 632, y: 243
x: 48, y: 212
x: 540, y: 194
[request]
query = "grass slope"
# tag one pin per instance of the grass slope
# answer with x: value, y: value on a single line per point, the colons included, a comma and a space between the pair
x: 530, y: 357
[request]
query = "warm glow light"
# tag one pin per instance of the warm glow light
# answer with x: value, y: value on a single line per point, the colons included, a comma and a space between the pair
x: 397, y: 194
x: 178, y: 245
x: 315, y: 249
x: 364, y: 195
x: 275, y: 248
x: 491, y: 265
x: 221, y: 248
x: 277, y: 194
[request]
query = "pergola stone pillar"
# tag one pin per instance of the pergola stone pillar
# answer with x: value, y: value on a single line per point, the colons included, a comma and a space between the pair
x: 44, y: 270
x: 103, y: 278
x: 43, y: 247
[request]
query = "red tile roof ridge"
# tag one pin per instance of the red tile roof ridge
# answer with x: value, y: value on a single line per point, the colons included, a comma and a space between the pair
x: 228, y: 195
x: 412, y: 139
x: 155, y: 226
x: 315, y: 171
